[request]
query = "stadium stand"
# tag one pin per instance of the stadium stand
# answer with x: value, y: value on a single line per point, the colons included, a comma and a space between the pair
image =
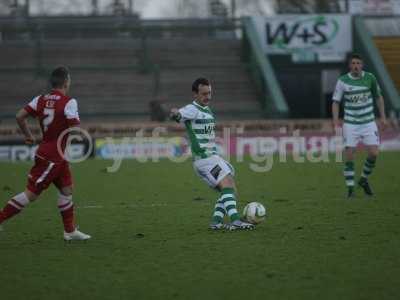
x: 183, y: 59
x: 120, y: 76
x: 389, y: 47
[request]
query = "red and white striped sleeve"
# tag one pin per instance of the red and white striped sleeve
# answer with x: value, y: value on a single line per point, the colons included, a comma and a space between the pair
x: 31, y: 107
x: 71, y: 113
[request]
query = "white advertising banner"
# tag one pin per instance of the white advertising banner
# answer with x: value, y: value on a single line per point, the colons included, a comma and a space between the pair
x: 375, y: 7
x: 326, y: 37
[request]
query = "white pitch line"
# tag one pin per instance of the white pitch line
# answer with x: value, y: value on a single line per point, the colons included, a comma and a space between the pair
x: 125, y: 206
x: 91, y: 206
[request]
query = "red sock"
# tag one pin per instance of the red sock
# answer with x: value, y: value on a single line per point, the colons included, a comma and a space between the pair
x: 8, y: 212
x: 68, y: 219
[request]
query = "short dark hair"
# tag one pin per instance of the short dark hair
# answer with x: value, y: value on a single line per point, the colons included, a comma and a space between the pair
x: 355, y: 56
x: 198, y: 82
x: 58, y: 77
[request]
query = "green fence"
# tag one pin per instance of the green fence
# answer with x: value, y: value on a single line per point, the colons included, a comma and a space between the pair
x: 272, y: 98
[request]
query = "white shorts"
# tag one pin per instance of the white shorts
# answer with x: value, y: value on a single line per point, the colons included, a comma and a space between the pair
x: 366, y: 133
x: 213, y: 169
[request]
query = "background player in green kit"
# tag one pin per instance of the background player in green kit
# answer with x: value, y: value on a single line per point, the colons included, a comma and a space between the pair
x: 214, y: 170
x: 358, y: 90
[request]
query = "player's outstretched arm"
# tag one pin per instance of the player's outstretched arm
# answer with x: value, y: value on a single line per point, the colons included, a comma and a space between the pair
x: 188, y: 112
x: 21, y: 117
x: 175, y: 115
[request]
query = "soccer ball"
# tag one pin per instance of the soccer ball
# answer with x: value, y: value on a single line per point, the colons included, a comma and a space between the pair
x: 254, y: 212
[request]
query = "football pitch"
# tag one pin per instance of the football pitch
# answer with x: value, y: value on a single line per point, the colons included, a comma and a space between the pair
x: 150, y: 237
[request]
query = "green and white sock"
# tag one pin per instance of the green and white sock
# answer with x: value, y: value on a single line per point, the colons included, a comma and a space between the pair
x: 368, y: 166
x: 349, y: 173
x: 229, y: 201
x: 219, y: 212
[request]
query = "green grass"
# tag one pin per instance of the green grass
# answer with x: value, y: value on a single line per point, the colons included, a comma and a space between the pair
x: 315, y: 244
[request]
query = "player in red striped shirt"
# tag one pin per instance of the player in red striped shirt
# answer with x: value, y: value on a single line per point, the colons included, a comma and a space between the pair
x: 56, y: 113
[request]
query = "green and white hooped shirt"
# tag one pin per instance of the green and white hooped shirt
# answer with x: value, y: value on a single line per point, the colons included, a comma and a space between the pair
x: 200, y: 126
x: 358, y: 95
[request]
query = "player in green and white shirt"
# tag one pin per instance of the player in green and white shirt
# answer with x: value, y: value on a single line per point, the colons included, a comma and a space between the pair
x: 358, y: 91
x: 199, y: 122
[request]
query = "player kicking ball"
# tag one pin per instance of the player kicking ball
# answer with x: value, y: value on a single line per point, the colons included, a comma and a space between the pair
x: 199, y: 122
x: 358, y: 90
x: 56, y: 112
